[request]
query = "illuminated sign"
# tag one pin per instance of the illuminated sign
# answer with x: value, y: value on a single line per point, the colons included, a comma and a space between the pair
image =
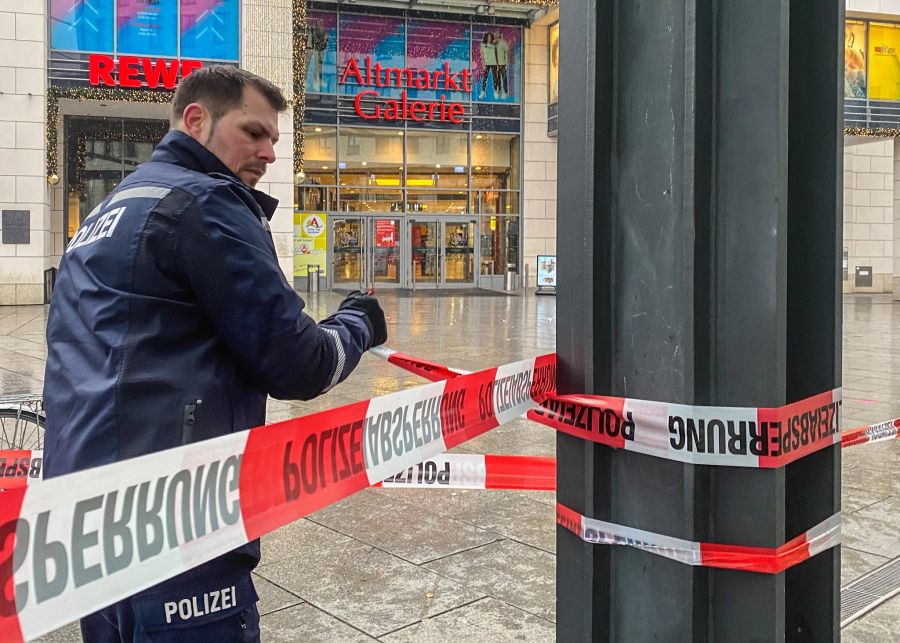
x: 370, y: 105
x: 126, y: 71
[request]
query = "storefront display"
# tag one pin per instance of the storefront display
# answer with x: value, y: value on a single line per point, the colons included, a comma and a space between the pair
x: 412, y: 146
x: 199, y: 29
x: 884, y: 61
x: 855, y: 59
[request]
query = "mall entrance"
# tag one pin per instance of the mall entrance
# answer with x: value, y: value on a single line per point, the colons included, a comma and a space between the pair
x: 442, y: 252
x: 385, y: 251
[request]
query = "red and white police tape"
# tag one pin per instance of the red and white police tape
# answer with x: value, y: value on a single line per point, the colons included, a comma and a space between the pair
x: 874, y: 433
x: 73, y: 544
x: 473, y: 471
x: 19, y: 468
x: 445, y: 471
x: 765, y: 560
x: 710, y: 435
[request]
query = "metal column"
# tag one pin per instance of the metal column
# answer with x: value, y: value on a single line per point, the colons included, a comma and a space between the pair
x: 700, y: 166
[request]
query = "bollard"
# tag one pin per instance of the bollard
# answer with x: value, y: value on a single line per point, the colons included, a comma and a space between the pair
x: 510, y: 282
x: 312, y: 279
x: 49, y: 283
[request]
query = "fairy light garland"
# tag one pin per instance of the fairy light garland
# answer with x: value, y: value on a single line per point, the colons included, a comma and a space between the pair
x: 300, y: 34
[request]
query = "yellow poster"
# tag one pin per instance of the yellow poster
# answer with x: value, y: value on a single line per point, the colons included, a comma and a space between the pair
x: 855, y: 59
x: 310, y: 242
x: 884, y: 63
x: 554, y: 63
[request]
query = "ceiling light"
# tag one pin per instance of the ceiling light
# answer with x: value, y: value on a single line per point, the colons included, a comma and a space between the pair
x: 437, y: 165
x: 490, y: 10
x: 479, y: 136
x: 364, y: 162
x: 324, y: 167
x: 478, y: 169
x: 318, y: 129
x: 480, y: 9
x: 400, y: 133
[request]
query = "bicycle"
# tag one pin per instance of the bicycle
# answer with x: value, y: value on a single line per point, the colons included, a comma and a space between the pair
x: 22, y: 422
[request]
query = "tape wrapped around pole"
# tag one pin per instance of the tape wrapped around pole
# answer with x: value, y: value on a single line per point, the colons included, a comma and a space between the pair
x: 764, y: 560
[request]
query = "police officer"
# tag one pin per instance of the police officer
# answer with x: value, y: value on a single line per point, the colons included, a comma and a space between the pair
x: 171, y: 322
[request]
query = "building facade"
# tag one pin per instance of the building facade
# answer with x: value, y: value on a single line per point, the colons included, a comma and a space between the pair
x: 421, y: 131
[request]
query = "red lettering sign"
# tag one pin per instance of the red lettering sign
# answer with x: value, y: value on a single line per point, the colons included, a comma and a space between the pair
x: 127, y: 71
x: 369, y: 104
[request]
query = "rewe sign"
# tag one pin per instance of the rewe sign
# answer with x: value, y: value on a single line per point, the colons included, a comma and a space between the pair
x: 126, y: 71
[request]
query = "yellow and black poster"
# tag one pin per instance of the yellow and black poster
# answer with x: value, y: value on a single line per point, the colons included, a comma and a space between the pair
x: 310, y: 242
x: 855, y: 59
x: 884, y: 62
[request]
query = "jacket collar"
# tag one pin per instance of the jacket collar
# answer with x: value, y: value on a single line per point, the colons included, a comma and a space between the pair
x: 180, y: 149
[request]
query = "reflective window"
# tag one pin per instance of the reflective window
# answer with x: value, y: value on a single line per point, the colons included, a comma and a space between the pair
x: 371, y: 169
x: 316, y: 192
x: 100, y: 152
x: 499, y: 238
x: 495, y: 161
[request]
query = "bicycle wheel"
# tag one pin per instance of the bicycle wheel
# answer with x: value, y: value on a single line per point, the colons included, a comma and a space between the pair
x: 21, y: 429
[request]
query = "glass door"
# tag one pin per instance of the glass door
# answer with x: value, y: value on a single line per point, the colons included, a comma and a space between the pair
x: 382, y: 255
x: 348, y: 240
x: 424, y: 245
x: 459, y: 253
x: 366, y: 252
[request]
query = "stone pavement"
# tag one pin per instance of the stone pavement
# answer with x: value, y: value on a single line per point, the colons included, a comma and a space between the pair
x: 398, y: 565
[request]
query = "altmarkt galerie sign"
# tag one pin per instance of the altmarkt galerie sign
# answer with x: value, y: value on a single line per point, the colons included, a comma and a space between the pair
x: 376, y: 107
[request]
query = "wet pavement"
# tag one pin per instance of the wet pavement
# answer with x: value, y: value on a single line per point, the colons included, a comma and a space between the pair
x: 399, y: 565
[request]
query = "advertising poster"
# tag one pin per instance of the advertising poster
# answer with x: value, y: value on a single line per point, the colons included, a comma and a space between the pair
x: 310, y: 242
x: 855, y: 59
x: 554, y: 63
x: 496, y: 63
x: 386, y: 233
x: 82, y: 25
x: 546, y: 271
x: 147, y: 28
x: 431, y: 45
x: 210, y: 29
x: 321, y: 52
x: 884, y: 64
x: 382, y: 38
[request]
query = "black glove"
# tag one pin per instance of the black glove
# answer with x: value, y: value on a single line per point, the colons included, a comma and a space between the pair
x: 369, y: 306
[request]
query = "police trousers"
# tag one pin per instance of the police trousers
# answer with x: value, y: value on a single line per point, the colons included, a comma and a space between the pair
x: 209, y: 603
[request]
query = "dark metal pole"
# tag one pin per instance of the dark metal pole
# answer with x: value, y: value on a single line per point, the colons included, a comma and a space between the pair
x: 699, y: 171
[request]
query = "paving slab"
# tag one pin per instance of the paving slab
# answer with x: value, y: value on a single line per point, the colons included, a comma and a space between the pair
x: 517, y: 574
x: 272, y: 597
x: 856, y: 563
x: 367, y: 588
x: 407, y: 530
x: 486, y: 620
x: 307, y: 624
x: 881, y: 625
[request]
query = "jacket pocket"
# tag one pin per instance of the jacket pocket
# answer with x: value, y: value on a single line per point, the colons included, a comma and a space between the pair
x: 189, y: 421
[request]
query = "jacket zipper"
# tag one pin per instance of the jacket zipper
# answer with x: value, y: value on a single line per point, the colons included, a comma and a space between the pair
x: 191, y: 416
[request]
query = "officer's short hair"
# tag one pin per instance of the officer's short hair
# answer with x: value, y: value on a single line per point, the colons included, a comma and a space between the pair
x: 220, y: 88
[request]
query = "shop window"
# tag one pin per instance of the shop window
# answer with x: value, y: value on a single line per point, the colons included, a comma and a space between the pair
x: 371, y: 170
x: 495, y: 161
x: 499, y: 239
x: 99, y: 153
x: 317, y: 191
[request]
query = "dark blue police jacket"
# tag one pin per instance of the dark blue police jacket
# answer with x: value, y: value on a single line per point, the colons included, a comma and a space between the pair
x: 171, y: 320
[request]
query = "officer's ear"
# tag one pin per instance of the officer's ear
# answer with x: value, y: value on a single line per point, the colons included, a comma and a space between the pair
x: 196, y: 121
